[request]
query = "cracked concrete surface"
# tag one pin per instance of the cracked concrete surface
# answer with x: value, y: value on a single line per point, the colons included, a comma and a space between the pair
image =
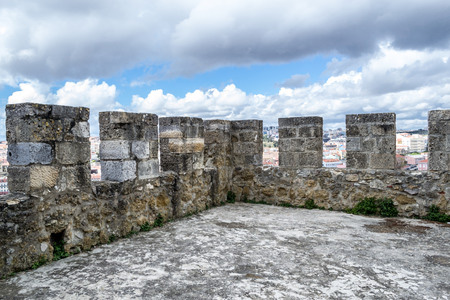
x: 246, y: 251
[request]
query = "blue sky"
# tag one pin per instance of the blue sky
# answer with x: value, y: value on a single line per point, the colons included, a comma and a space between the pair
x: 255, y: 79
x: 229, y: 59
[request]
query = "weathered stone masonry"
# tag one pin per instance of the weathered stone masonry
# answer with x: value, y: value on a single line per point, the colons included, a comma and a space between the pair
x: 53, y: 198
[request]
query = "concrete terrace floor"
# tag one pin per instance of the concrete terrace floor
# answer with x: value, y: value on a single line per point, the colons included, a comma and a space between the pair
x: 245, y: 251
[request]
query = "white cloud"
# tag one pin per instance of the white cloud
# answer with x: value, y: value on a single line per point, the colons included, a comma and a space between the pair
x: 88, y: 93
x: 350, y: 92
x: 31, y: 91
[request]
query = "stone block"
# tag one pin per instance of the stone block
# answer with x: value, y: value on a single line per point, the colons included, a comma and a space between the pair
x: 148, y: 169
x: 386, y: 144
x: 21, y: 110
x: 357, y: 130
x: 447, y: 144
x: 285, y: 133
x: 437, y: 143
x: 384, y: 161
x: 154, y: 149
x: 250, y: 136
x: 18, y: 179
x: 148, y: 133
x: 439, y: 161
x: 245, y: 148
x: 441, y: 127
x: 140, y: 149
x: 114, y: 149
x: 357, y: 160
x: 369, y: 144
x: 34, y: 130
x: 71, y: 153
x: 255, y: 125
x: 254, y: 160
x: 190, y: 131
x: 439, y: 122
x: 164, y: 145
x: 382, y: 129
x: 181, y: 127
x: 177, y: 162
x: 353, y: 144
x: 299, y: 121
x: 284, y: 145
x: 43, y: 177
x: 22, y: 154
x: 309, y: 131
x: 297, y: 145
x: 198, y: 160
x: 128, y: 126
x: 217, y: 136
x: 118, y: 170
x: 288, y: 159
x: 70, y: 112
x: 191, y: 145
x: 74, y: 178
x: 81, y: 130
x: 370, y: 118
x: 309, y: 160
x: 217, y: 125
x: 313, y: 144
x: 118, y: 131
x: 170, y: 131
x: 120, y: 117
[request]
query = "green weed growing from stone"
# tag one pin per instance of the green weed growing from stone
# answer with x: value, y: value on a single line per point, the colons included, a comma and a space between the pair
x: 112, y: 238
x: 286, y: 205
x: 59, y: 252
x: 434, y: 214
x: 372, y: 206
x: 42, y: 261
x: 231, y: 197
x: 387, y: 208
x: 8, y: 275
x: 253, y: 201
x: 159, y: 221
x: 131, y: 233
x: 146, y: 227
x: 309, y: 204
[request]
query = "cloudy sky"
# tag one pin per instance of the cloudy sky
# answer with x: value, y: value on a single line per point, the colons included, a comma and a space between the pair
x: 229, y: 59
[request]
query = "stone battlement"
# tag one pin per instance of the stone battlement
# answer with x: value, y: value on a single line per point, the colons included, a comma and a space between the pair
x: 175, y: 166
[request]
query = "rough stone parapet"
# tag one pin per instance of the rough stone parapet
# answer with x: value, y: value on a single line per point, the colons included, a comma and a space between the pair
x: 412, y: 192
x: 181, y: 144
x: 371, y: 141
x: 247, y: 142
x: 439, y: 140
x: 128, y: 145
x: 48, y: 147
x: 300, y: 142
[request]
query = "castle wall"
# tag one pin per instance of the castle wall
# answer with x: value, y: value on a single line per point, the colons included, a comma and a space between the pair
x: 53, y: 200
x: 412, y: 192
